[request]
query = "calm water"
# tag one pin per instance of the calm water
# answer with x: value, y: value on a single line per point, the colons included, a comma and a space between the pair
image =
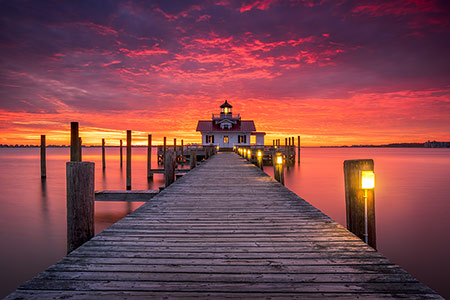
x: 412, y: 204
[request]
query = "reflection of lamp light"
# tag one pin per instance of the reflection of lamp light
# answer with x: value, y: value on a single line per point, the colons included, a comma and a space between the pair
x: 259, y: 154
x: 367, y: 183
x: 279, y: 160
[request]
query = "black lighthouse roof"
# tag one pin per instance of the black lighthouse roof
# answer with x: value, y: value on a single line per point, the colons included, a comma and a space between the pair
x: 226, y: 104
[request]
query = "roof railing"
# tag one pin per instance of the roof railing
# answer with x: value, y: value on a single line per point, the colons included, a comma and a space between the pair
x: 228, y: 116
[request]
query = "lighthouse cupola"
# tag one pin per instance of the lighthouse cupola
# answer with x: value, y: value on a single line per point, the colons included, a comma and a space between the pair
x: 225, y: 109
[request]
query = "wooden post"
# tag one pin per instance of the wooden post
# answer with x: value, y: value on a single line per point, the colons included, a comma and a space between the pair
x: 259, y: 156
x: 74, y: 142
x: 164, y: 150
x: 128, y: 159
x: 278, y: 168
x: 81, y: 149
x: 206, y: 152
x: 354, y: 200
x: 298, y: 149
x: 182, y: 150
x: 175, y: 149
x: 121, y: 159
x: 103, y: 154
x: 193, y: 158
x: 80, y: 203
x: 288, y: 152
x: 149, y: 157
x: 169, y: 168
x: 43, y: 160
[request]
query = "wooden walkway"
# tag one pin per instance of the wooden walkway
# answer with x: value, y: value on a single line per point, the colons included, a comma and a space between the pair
x: 224, y: 230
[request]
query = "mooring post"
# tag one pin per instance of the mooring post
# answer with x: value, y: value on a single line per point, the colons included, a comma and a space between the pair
x: 81, y: 149
x: 259, y: 156
x: 149, y: 157
x: 182, y: 150
x: 288, y: 152
x: 175, y: 149
x: 74, y: 142
x: 43, y: 160
x: 164, y: 149
x: 298, y: 149
x: 121, y: 159
x: 193, y: 158
x: 356, y: 198
x: 128, y: 159
x: 80, y: 203
x: 278, y: 167
x: 103, y: 155
x: 169, y: 168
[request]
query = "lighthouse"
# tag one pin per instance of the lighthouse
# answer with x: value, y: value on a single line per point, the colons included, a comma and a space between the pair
x: 227, y: 130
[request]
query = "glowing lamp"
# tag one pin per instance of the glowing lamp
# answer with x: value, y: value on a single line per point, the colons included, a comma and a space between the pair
x: 259, y: 154
x: 225, y: 110
x: 279, y: 160
x: 367, y: 180
x: 249, y: 152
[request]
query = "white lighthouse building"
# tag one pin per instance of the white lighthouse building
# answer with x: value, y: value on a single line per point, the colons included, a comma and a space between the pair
x: 227, y: 130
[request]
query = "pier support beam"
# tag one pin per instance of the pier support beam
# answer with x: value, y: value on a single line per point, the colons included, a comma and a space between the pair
x: 169, y: 167
x: 80, y: 203
x: 128, y: 159
x: 103, y: 155
x: 149, y: 157
x: 193, y: 159
x: 182, y: 151
x: 121, y: 154
x: 355, y: 200
x: 298, y: 149
x: 43, y: 158
x: 164, y: 149
x: 75, y: 150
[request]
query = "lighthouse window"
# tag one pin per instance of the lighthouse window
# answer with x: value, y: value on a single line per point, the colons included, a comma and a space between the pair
x: 225, y: 139
x: 209, y: 139
x: 242, y: 139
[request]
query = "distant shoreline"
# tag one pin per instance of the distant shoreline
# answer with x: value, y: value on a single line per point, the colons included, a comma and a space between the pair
x: 429, y: 144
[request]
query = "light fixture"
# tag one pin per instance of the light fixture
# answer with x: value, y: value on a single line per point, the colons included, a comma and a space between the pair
x: 367, y: 180
x: 259, y: 154
x: 279, y: 160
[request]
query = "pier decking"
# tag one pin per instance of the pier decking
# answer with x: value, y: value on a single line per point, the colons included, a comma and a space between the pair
x: 224, y: 230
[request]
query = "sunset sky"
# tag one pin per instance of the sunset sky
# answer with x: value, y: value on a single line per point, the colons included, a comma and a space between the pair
x: 335, y: 72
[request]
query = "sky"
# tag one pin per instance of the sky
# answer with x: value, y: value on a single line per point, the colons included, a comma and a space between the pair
x: 335, y: 72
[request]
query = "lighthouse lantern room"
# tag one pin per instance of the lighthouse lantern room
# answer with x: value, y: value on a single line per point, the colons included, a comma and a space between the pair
x: 227, y: 130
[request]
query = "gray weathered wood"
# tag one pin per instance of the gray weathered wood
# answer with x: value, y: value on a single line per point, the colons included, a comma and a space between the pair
x: 135, y: 195
x: 43, y: 159
x: 121, y: 153
x: 128, y: 159
x: 169, y: 168
x: 80, y: 203
x: 193, y: 159
x: 225, y: 230
x: 74, y: 142
x: 149, y: 157
x: 103, y: 154
x: 354, y: 200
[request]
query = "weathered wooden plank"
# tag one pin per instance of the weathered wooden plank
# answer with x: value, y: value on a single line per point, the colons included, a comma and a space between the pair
x: 125, y: 195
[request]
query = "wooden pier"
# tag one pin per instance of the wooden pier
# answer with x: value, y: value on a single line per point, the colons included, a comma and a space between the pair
x: 224, y: 230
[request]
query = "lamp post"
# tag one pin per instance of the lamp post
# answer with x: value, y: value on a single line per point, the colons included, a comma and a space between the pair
x: 367, y: 183
x: 259, y: 157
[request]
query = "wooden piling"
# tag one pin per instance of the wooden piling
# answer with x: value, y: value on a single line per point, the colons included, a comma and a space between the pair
x: 259, y: 159
x: 354, y: 200
x: 149, y: 157
x: 128, y: 159
x: 182, y: 151
x: 298, y: 149
x: 80, y: 203
x: 193, y: 159
x: 74, y: 142
x: 169, y: 168
x: 121, y: 154
x: 278, y: 170
x: 164, y: 149
x: 43, y: 159
x: 103, y: 155
x: 81, y: 149
x: 175, y: 149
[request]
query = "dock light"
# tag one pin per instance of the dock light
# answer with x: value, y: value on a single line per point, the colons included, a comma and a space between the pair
x: 367, y: 180
x: 279, y: 160
x: 249, y: 152
x: 259, y: 154
x: 367, y: 183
